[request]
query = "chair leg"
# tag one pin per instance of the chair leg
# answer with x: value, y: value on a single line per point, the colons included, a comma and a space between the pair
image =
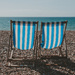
x: 11, y: 55
x: 39, y: 52
x: 66, y: 51
x: 66, y: 47
x: 60, y: 51
x: 7, y: 54
x: 33, y: 53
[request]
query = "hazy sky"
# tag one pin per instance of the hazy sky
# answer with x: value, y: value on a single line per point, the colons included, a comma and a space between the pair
x: 37, y: 8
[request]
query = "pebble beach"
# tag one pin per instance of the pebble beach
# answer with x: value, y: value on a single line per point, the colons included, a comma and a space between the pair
x: 63, y: 66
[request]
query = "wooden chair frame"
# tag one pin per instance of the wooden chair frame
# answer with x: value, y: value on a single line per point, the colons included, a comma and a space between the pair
x: 10, y: 55
x: 63, y: 42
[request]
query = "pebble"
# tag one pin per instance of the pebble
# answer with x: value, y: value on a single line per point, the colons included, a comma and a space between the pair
x: 41, y: 68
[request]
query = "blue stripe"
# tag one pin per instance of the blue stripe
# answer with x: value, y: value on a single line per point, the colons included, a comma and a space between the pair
x: 44, y: 34
x: 57, y: 34
x: 42, y: 44
x: 23, y: 36
x: 47, y: 39
x: 52, y: 35
x: 61, y: 36
x: 28, y: 35
x: 33, y: 32
x: 18, y: 41
x: 14, y: 33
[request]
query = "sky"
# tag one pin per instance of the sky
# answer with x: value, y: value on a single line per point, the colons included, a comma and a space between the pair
x: 37, y: 8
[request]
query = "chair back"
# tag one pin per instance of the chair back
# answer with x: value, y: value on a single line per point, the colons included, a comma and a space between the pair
x: 52, y: 34
x: 23, y: 34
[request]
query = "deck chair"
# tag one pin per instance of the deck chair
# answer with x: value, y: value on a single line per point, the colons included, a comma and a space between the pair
x: 52, y: 36
x: 22, y: 38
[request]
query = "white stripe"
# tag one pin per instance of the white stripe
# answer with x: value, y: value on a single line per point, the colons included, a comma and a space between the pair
x: 16, y: 23
x: 54, y: 35
x: 49, y: 36
x: 21, y: 28
x: 25, y: 35
x: 59, y: 33
x: 45, y: 30
x: 30, y: 40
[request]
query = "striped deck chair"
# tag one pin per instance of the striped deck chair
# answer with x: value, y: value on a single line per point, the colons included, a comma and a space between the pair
x: 22, y: 37
x: 52, y: 35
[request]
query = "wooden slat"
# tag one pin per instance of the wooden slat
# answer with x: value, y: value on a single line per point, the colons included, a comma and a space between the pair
x: 18, y: 59
x: 11, y: 65
x: 52, y: 56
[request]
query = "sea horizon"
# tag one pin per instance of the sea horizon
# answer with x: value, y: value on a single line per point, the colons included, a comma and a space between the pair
x: 36, y: 16
x: 5, y: 21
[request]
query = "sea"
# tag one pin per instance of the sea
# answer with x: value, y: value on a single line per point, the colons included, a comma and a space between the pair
x: 5, y: 21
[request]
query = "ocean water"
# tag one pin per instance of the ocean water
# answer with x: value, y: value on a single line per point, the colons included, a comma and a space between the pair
x: 5, y: 21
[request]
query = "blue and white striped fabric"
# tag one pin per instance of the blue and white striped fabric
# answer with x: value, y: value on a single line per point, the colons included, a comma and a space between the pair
x: 23, y: 34
x: 52, y: 34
